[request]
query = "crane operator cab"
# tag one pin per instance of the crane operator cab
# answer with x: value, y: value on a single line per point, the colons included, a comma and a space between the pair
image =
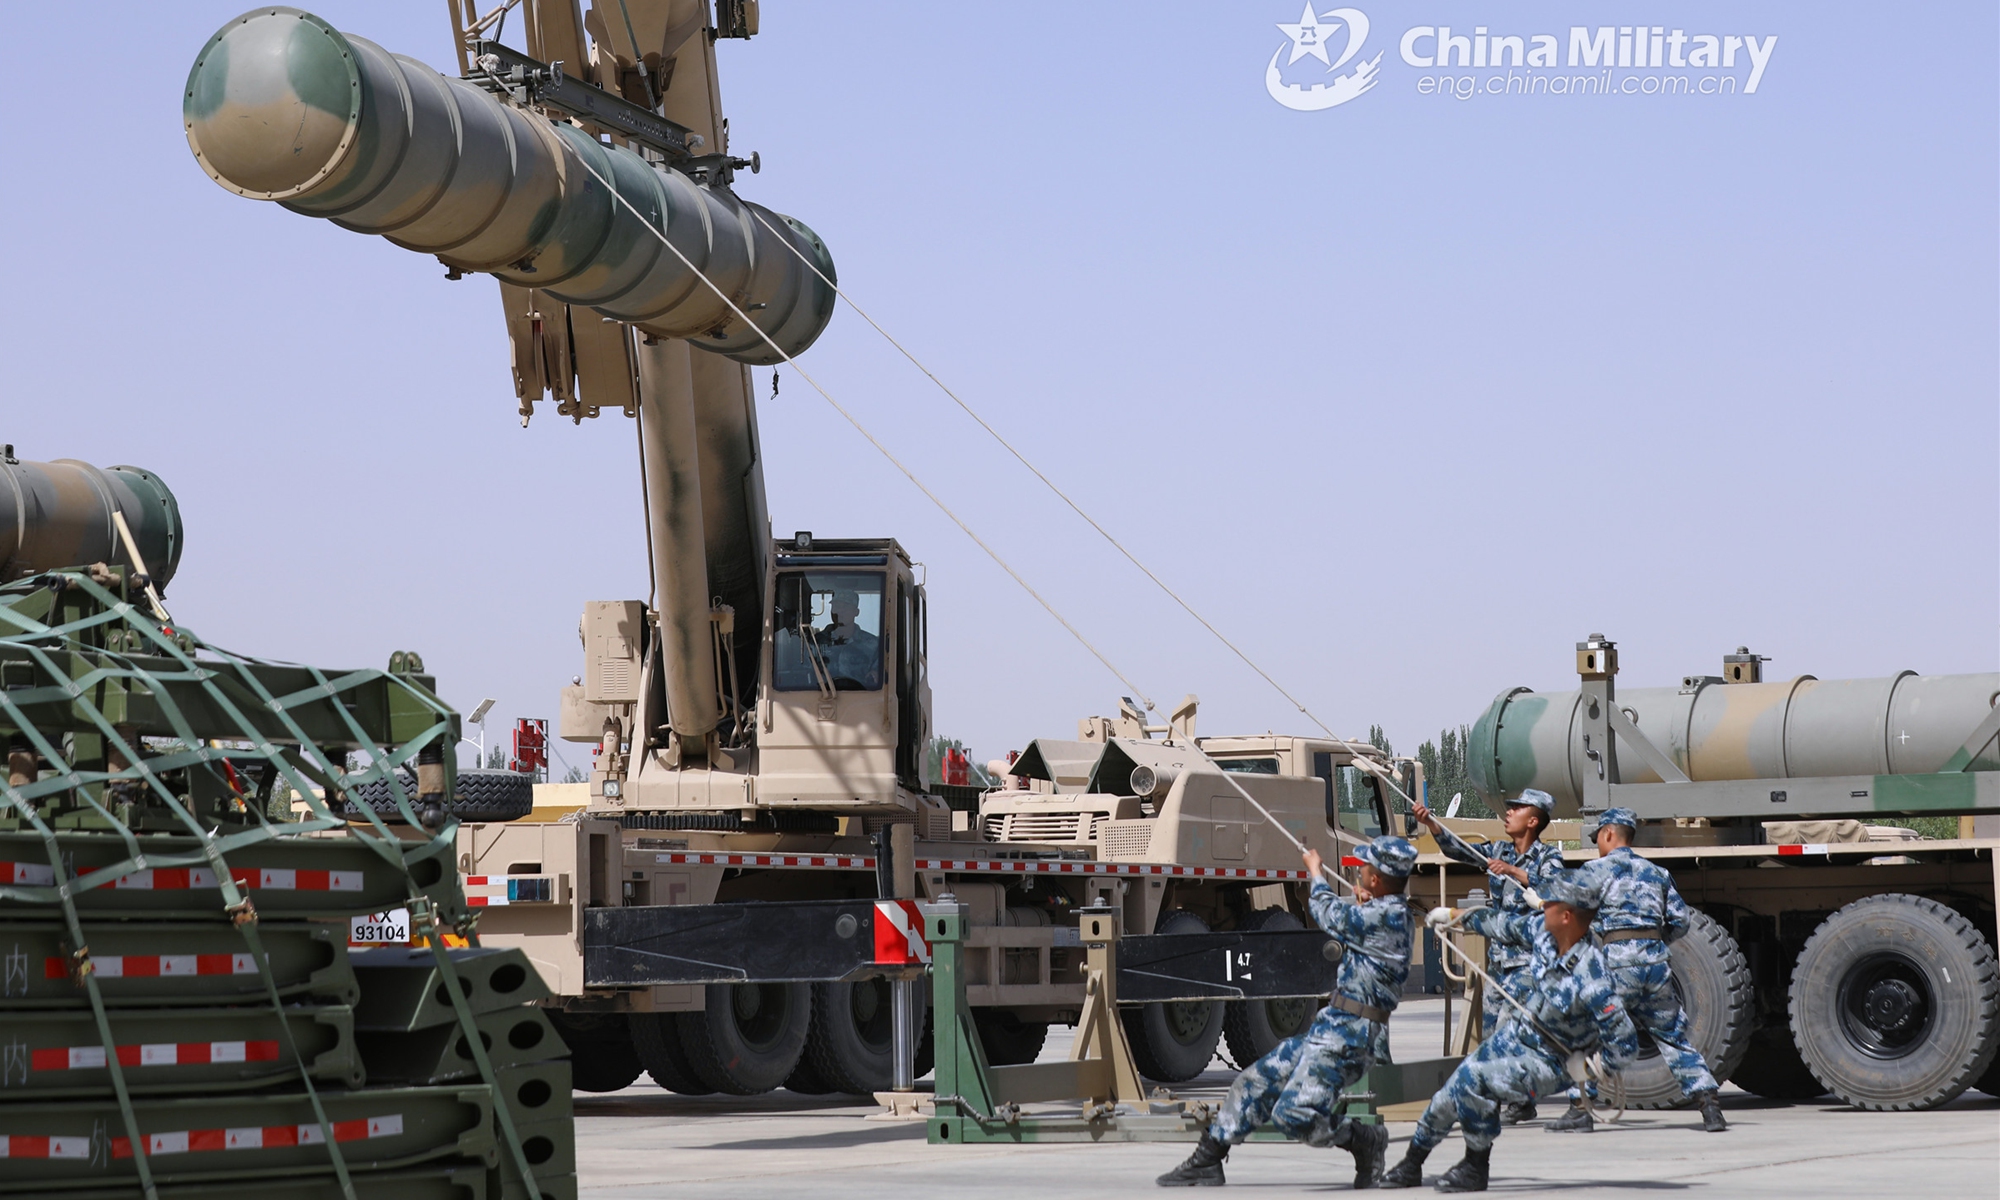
x: 845, y: 710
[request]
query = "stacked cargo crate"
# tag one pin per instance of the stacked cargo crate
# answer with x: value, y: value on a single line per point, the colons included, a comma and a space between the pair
x: 180, y: 1012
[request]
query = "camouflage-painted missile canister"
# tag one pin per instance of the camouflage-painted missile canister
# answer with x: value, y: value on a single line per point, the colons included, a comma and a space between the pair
x: 281, y: 106
x: 1798, y: 728
x: 59, y: 514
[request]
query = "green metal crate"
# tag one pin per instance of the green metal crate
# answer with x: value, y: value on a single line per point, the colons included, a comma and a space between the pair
x: 167, y: 963
x: 441, y: 1053
x: 457, y: 1181
x: 403, y: 989
x: 207, y: 1138
x: 53, y: 1054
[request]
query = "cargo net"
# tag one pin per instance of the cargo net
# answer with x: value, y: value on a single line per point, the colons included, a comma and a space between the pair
x: 152, y: 777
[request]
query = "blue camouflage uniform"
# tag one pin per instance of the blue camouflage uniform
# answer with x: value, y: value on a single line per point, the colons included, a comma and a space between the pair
x: 1572, y: 997
x: 1505, y: 960
x: 1639, y: 896
x: 1302, y: 1076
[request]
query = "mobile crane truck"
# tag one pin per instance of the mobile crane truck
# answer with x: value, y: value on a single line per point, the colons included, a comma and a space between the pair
x: 756, y: 806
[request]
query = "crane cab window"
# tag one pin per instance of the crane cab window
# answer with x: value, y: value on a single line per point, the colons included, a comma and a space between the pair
x: 828, y: 632
x: 1353, y: 797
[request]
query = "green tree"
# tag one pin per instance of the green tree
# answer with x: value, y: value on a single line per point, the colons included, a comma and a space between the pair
x: 1447, y: 771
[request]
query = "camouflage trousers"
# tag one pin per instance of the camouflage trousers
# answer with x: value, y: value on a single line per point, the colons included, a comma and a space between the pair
x: 1648, y: 992
x: 1501, y: 1071
x: 1515, y: 980
x: 1300, y: 1078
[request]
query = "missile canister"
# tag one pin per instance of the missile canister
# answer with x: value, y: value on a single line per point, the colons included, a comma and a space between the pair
x: 281, y: 106
x: 59, y: 514
x: 1899, y: 725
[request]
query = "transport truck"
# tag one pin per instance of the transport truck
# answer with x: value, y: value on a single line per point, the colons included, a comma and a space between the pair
x: 759, y: 721
x: 1833, y: 952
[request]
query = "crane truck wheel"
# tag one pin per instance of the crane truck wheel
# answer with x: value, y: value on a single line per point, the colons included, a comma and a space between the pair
x: 601, y: 1058
x: 852, y: 1042
x: 656, y: 1042
x: 748, y: 1037
x: 1772, y: 1068
x: 1896, y: 1003
x: 1714, y: 985
x: 1008, y: 1040
x: 1253, y: 1028
x: 1174, y: 1042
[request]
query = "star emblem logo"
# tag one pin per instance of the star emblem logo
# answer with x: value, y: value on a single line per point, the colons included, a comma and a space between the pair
x: 1309, y: 37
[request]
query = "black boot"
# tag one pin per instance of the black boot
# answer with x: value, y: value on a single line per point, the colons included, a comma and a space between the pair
x: 1409, y: 1172
x: 1711, y: 1112
x: 1203, y: 1168
x: 1370, y: 1147
x: 1515, y: 1114
x: 1576, y: 1120
x: 1470, y: 1173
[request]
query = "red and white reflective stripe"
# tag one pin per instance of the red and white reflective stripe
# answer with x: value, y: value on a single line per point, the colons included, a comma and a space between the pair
x: 44, y: 1147
x: 482, y: 891
x: 151, y: 966
x: 28, y: 874
x: 899, y: 934
x: 1809, y: 848
x: 1032, y: 866
x: 837, y: 862
x: 160, y: 879
x: 265, y: 1137
x: 154, y: 1054
x: 1008, y: 866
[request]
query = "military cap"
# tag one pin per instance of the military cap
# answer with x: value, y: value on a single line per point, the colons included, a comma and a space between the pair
x: 1613, y: 816
x: 1536, y: 798
x: 1391, y: 855
x: 1578, y: 889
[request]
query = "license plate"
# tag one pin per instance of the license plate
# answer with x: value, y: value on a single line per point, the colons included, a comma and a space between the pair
x: 380, y: 929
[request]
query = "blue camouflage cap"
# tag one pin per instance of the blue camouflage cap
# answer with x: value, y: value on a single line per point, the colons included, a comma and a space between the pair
x: 1536, y: 798
x: 1616, y: 816
x: 1391, y: 855
x: 1578, y: 889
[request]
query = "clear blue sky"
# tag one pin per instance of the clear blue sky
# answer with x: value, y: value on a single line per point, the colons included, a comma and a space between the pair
x: 1408, y: 394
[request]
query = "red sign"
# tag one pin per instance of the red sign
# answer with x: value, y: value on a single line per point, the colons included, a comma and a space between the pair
x: 531, y: 746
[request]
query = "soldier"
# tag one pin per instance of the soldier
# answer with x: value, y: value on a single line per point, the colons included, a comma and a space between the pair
x: 1296, y: 1084
x: 1575, y: 1010
x: 1517, y: 865
x: 1642, y: 912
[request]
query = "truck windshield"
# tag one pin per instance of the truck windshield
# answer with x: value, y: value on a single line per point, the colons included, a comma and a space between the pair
x: 828, y: 632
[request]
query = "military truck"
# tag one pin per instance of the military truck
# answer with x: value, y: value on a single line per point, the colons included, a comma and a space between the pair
x: 759, y: 721
x: 1832, y: 955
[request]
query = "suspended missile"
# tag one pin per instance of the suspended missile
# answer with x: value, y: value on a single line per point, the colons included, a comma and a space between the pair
x: 281, y: 106
x: 61, y: 514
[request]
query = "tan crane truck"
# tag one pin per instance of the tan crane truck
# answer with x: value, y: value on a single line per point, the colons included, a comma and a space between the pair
x: 710, y: 913
x: 1828, y: 954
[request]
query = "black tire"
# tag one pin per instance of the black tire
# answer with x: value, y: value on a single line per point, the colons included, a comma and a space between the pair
x: 748, y: 1037
x: 656, y: 1042
x: 852, y: 1042
x: 1008, y: 1040
x: 481, y: 795
x: 1772, y: 1068
x: 1174, y: 1042
x: 601, y: 1058
x: 1713, y: 983
x: 1253, y: 1028
x: 806, y: 1081
x: 1896, y: 1003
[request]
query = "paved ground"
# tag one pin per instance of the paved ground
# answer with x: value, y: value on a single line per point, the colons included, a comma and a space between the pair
x: 645, y: 1142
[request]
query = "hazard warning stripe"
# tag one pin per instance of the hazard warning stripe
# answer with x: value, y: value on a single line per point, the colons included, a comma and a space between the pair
x: 254, y: 1137
x: 44, y: 1147
x: 152, y: 966
x: 154, y: 1054
x: 158, y: 879
x: 28, y: 874
x: 1810, y: 848
x: 483, y: 891
x: 1002, y: 866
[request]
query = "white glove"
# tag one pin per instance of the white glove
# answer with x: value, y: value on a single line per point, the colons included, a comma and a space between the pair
x: 1578, y: 1067
x: 1534, y: 898
x: 1438, y: 917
